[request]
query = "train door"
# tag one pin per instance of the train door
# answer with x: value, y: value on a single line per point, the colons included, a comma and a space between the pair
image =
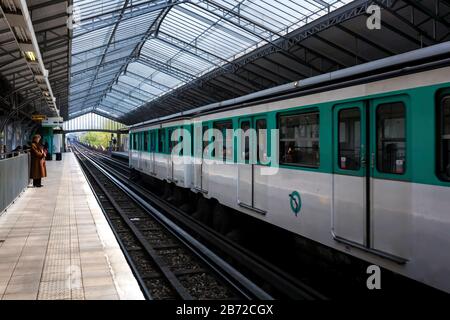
x: 350, y: 180
x: 251, y: 193
x: 371, y: 201
x: 200, y: 145
x: 152, y: 152
x: 141, y: 150
x: 172, y: 142
x: 145, y: 151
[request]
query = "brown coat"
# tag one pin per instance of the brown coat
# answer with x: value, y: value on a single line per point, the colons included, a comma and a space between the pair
x: 38, y: 169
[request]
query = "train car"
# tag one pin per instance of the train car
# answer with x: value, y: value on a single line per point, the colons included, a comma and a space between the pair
x: 357, y: 160
x: 151, y: 153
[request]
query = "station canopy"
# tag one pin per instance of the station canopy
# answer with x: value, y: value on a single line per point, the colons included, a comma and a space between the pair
x: 128, y: 53
x: 133, y: 60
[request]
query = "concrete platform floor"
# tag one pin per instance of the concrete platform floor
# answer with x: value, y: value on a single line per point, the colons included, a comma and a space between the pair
x: 55, y: 243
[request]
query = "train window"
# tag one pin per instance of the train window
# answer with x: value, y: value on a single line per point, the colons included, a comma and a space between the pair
x: 135, y: 144
x: 180, y: 141
x: 205, y: 138
x: 391, y: 138
x: 349, y: 153
x: 152, y: 141
x: 444, y: 135
x: 173, y: 139
x: 224, y: 139
x: 261, y: 135
x: 141, y: 141
x: 146, y: 140
x: 299, y: 139
x: 245, y: 126
x: 161, y: 140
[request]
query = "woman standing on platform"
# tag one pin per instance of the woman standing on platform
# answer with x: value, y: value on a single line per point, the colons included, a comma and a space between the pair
x: 38, y: 169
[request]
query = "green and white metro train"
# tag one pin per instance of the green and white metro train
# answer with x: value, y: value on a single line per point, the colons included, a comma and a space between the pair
x: 362, y: 160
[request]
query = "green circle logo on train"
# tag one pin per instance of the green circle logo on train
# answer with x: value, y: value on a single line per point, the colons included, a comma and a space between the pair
x: 296, y: 202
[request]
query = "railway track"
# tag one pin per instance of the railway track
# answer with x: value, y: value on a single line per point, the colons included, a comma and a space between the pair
x: 166, y: 264
x: 279, y: 284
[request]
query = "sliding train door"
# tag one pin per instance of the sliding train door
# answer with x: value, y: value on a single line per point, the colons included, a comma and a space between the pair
x: 141, y: 150
x: 200, y: 169
x: 153, y: 143
x: 171, y: 136
x: 251, y: 187
x: 371, y: 194
x: 350, y: 179
x: 391, y: 188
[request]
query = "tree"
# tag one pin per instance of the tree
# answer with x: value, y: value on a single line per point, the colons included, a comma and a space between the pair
x: 96, y: 139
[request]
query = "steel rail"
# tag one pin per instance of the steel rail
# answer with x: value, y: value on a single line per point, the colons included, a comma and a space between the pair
x: 275, y: 276
x: 239, y: 282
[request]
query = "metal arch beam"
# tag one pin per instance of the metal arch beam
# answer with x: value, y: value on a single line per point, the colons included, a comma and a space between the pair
x: 338, y: 16
x: 191, y: 49
x: 104, y: 75
x: 98, y: 22
x: 140, y: 94
x: 215, y: 24
x: 166, y: 68
x: 119, y: 102
x: 253, y: 23
x: 123, y: 42
x: 94, y: 58
x: 125, y: 85
x: 115, y: 107
x: 88, y: 120
x: 154, y: 28
x: 114, y: 62
x: 77, y: 114
x: 147, y: 81
x: 321, y: 29
x: 270, y: 34
x: 127, y: 95
x: 81, y: 95
x: 110, y: 40
x: 80, y: 111
x: 202, y: 54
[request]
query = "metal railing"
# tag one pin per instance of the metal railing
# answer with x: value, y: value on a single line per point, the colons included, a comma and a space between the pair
x: 14, y: 176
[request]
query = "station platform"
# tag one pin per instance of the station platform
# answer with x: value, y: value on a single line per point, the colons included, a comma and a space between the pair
x: 55, y: 243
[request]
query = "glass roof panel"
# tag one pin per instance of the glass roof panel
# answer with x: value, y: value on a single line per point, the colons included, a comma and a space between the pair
x: 128, y: 52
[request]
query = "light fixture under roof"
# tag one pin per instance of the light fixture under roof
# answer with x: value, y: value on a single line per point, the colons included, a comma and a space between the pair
x: 30, y: 56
